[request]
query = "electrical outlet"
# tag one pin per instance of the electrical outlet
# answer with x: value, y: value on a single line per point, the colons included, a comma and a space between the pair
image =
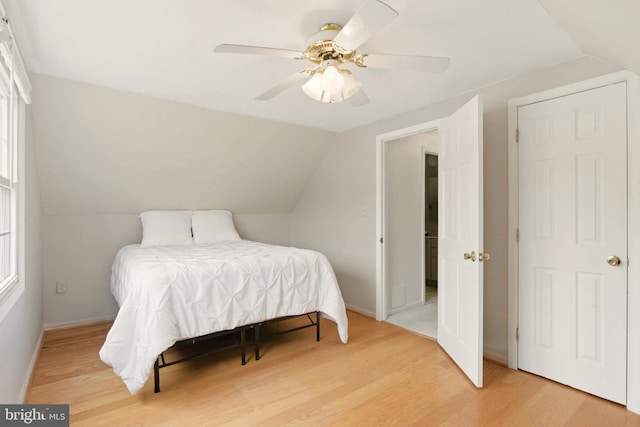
x: 60, y: 288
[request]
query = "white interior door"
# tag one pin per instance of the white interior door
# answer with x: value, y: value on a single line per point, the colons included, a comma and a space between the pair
x: 460, y: 233
x: 572, y: 217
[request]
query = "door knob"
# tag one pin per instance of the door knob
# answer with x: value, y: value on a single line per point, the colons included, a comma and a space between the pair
x: 471, y: 256
x: 613, y: 260
x: 484, y: 256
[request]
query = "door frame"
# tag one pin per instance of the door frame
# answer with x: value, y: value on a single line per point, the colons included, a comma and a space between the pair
x: 633, y: 227
x: 382, y: 311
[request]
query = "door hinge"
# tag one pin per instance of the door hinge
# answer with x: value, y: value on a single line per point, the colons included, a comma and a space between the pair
x: 517, y: 334
x: 382, y: 240
x: 517, y: 235
x: 517, y: 135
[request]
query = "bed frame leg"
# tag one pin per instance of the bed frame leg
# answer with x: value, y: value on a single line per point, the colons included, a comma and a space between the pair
x: 156, y: 377
x: 317, y: 326
x: 256, y: 329
x: 243, y: 345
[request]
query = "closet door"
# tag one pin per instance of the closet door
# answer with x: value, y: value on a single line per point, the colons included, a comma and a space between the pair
x: 573, y: 240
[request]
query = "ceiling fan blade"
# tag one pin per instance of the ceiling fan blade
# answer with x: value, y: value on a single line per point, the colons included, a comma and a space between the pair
x: 257, y: 50
x: 369, y: 19
x: 359, y: 98
x: 425, y: 64
x: 285, y: 84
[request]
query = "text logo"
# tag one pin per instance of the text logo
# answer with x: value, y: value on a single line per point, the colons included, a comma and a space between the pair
x: 34, y: 415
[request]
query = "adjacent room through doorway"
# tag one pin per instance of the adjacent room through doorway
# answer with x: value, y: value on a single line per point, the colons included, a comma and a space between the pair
x: 431, y: 228
x: 411, y: 222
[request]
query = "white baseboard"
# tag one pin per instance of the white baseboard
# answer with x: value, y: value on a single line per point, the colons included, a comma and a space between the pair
x: 361, y: 310
x: 82, y: 322
x: 495, y: 357
x: 34, y: 359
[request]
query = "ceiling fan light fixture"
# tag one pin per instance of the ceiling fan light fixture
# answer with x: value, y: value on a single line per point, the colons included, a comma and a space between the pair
x: 334, y: 46
x: 331, y: 80
x: 350, y: 86
x: 331, y: 84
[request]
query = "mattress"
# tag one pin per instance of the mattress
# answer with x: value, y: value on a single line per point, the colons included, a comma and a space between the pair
x: 170, y: 293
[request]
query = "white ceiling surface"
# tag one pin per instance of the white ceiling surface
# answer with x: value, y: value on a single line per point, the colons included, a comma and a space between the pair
x: 164, y: 48
x: 607, y: 29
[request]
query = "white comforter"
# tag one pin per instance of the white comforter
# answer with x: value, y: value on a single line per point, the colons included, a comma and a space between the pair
x: 169, y: 293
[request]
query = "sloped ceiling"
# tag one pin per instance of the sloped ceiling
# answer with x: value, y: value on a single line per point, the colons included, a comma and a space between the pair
x: 607, y: 29
x: 103, y: 151
x: 164, y: 48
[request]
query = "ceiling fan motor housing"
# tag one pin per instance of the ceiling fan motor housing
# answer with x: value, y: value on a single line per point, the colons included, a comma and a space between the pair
x: 320, y: 46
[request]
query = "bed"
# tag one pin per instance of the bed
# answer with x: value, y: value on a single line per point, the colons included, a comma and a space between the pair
x: 172, y: 292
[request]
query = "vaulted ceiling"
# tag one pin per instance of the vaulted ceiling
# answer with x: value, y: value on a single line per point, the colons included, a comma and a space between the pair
x: 164, y: 48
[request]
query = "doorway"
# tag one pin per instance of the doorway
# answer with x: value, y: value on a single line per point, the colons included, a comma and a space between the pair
x: 460, y: 240
x: 410, y: 217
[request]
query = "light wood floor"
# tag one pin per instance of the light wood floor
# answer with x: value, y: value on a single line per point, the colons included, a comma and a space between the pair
x: 384, y: 376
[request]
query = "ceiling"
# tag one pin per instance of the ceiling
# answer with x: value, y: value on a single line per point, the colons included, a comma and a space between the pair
x: 164, y: 48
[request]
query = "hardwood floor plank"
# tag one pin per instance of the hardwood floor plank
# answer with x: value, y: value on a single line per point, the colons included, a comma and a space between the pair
x: 384, y: 376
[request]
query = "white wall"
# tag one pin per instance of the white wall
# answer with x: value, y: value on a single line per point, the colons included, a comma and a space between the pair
x: 104, y: 156
x: 328, y: 214
x: 21, y: 328
x: 404, y: 206
x: 78, y: 250
x: 102, y: 151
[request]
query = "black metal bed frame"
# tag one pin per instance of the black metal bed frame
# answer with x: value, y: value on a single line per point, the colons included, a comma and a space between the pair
x: 162, y: 363
x: 241, y: 330
x: 258, y: 337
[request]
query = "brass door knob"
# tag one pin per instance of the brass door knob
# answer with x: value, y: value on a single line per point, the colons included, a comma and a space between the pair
x: 484, y: 256
x: 613, y: 260
x: 471, y: 256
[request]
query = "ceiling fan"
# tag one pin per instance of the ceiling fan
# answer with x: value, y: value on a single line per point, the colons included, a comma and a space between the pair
x: 334, y: 46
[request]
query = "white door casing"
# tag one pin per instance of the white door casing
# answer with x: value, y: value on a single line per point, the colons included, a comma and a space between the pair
x: 572, y: 216
x: 460, y: 292
x: 382, y: 291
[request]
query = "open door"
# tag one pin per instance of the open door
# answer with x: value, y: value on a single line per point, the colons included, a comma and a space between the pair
x: 460, y: 238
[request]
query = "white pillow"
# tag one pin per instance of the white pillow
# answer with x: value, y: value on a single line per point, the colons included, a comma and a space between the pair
x: 213, y: 227
x: 166, y: 228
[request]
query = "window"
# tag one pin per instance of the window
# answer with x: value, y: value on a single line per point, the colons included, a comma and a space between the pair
x: 15, y: 93
x: 8, y: 187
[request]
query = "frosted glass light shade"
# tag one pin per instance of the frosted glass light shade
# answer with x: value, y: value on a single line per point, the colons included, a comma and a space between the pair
x: 331, y: 85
